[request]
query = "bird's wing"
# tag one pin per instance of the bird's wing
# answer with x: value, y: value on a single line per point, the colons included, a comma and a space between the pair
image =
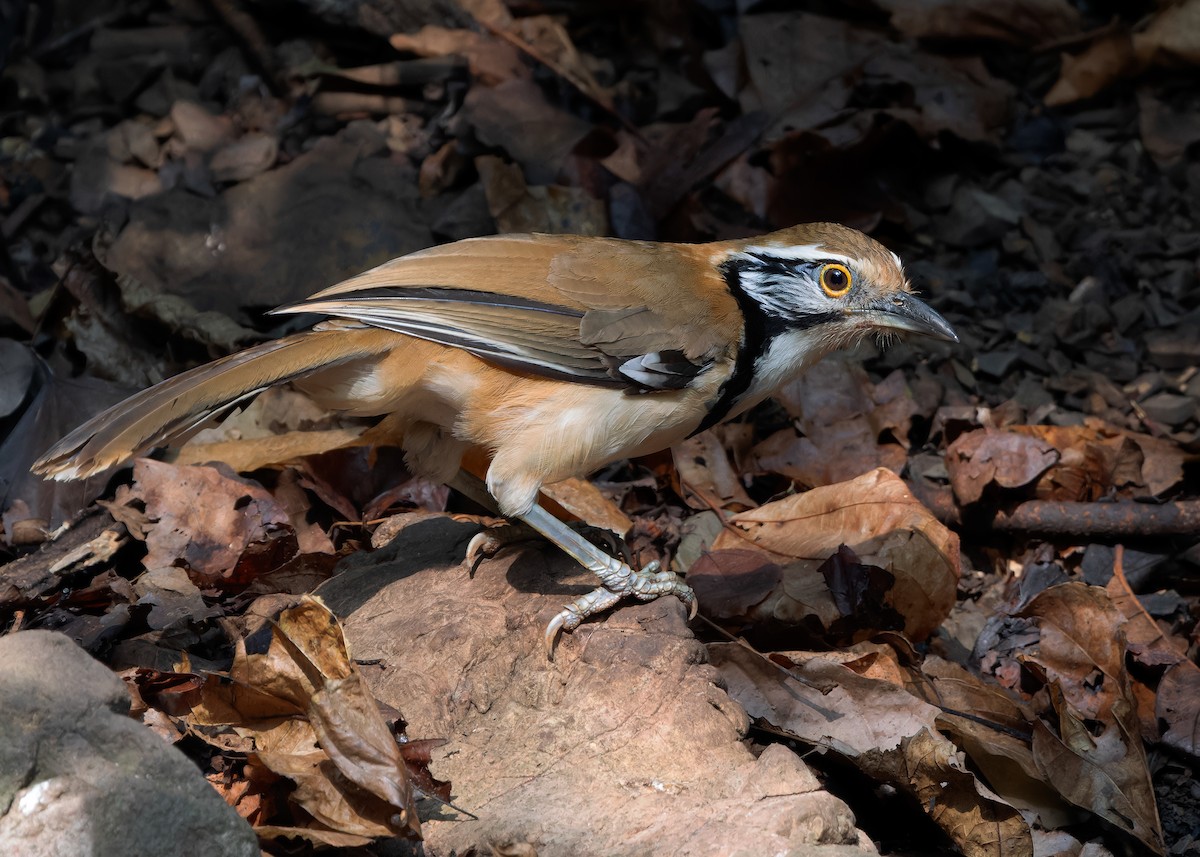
x: 598, y: 311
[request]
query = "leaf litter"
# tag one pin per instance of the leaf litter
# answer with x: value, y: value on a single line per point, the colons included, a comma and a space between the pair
x: 1033, y: 164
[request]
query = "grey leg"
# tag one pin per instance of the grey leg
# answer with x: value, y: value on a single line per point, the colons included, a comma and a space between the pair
x: 618, y: 578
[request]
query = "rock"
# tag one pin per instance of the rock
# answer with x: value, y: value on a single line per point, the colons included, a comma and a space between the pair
x: 79, y: 777
x: 623, y: 745
x: 244, y: 158
x: 995, y: 364
x: 1169, y: 408
x: 200, y: 130
x: 1173, y: 349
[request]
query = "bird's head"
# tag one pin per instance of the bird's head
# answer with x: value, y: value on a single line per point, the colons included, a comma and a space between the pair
x: 831, y: 281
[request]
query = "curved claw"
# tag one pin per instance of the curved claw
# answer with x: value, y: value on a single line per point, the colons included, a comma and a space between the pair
x: 481, y: 547
x: 552, y: 631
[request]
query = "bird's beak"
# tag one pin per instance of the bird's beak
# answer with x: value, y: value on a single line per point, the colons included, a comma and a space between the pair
x: 902, y: 311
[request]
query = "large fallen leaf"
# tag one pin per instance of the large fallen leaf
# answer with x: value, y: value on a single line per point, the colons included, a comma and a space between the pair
x: 883, y: 730
x: 1170, y: 38
x: 707, y: 478
x: 993, y: 730
x: 520, y: 207
x: 805, y: 71
x: 1083, y: 75
x: 880, y: 521
x: 1094, y: 460
x: 1093, y: 755
x: 582, y: 499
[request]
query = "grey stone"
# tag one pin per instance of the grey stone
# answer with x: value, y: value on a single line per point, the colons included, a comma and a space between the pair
x: 80, y: 778
x: 1174, y: 349
x: 1169, y: 408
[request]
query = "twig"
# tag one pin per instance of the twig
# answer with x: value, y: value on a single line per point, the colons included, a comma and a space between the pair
x: 1064, y: 518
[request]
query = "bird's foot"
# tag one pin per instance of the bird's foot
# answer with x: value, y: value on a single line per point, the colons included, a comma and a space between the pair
x: 644, y: 585
x: 487, y: 543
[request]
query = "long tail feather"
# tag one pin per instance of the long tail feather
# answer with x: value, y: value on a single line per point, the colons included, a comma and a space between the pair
x: 172, y: 407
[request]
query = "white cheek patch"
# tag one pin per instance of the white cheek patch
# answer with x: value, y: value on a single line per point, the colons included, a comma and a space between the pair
x: 788, y: 295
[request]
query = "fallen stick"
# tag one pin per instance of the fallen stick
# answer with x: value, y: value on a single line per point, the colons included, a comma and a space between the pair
x: 1055, y: 518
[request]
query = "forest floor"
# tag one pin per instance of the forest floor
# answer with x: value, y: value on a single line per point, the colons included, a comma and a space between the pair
x: 976, y: 564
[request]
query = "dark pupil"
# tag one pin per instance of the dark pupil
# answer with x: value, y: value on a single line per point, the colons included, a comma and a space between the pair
x: 835, y: 278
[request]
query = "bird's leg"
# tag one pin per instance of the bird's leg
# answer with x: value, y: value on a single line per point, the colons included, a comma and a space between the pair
x: 619, y: 579
x: 488, y: 542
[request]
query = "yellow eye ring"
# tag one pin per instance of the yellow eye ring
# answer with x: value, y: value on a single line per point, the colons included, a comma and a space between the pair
x: 836, y: 280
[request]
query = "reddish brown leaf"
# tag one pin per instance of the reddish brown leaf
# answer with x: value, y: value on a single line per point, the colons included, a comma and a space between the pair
x: 204, y: 519
x: 984, y: 457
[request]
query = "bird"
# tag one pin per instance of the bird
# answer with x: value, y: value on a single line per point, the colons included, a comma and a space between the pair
x: 553, y: 354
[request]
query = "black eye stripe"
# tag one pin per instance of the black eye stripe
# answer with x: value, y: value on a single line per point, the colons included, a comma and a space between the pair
x: 792, y: 267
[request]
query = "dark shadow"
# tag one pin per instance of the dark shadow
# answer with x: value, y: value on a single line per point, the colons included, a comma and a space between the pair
x: 435, y: 543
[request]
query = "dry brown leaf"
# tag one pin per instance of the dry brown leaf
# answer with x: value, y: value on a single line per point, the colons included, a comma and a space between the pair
x: 1104, y: 62
x: 491, y: 60
x: 876, y: 517
x: 804, y: 70
x: 1178, y: 706
x: 203, y: 518
x: 987, y: 456
x: 516, y: 117
x: 1172, y: 37
x: 1094, y: 756
x: 582, y: 499
x: 706, y: 476
x: 994, y: 730
x: 1144, y: 640
x: 551, y: 44
x: 842, y: 416
x: 734, y: 584
x: 841, y: 452
x: 520, y: 207
x: 1094, y: 460
x: 887, y: 733
x: 314, y: 721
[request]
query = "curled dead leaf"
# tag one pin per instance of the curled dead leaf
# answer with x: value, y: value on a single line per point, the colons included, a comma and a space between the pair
x: 885, y: 732
x: 880, y: 521
x: 1088, y: 745
x: 313, y: 721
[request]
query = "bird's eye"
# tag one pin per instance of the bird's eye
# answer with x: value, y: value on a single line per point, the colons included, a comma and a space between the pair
x: 836, y: 280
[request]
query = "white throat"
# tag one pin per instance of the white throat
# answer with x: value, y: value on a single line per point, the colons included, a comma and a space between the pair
x: 787, y: 356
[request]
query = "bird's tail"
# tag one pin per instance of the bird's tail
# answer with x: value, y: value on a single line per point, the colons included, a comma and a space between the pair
x: 171, y: 408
